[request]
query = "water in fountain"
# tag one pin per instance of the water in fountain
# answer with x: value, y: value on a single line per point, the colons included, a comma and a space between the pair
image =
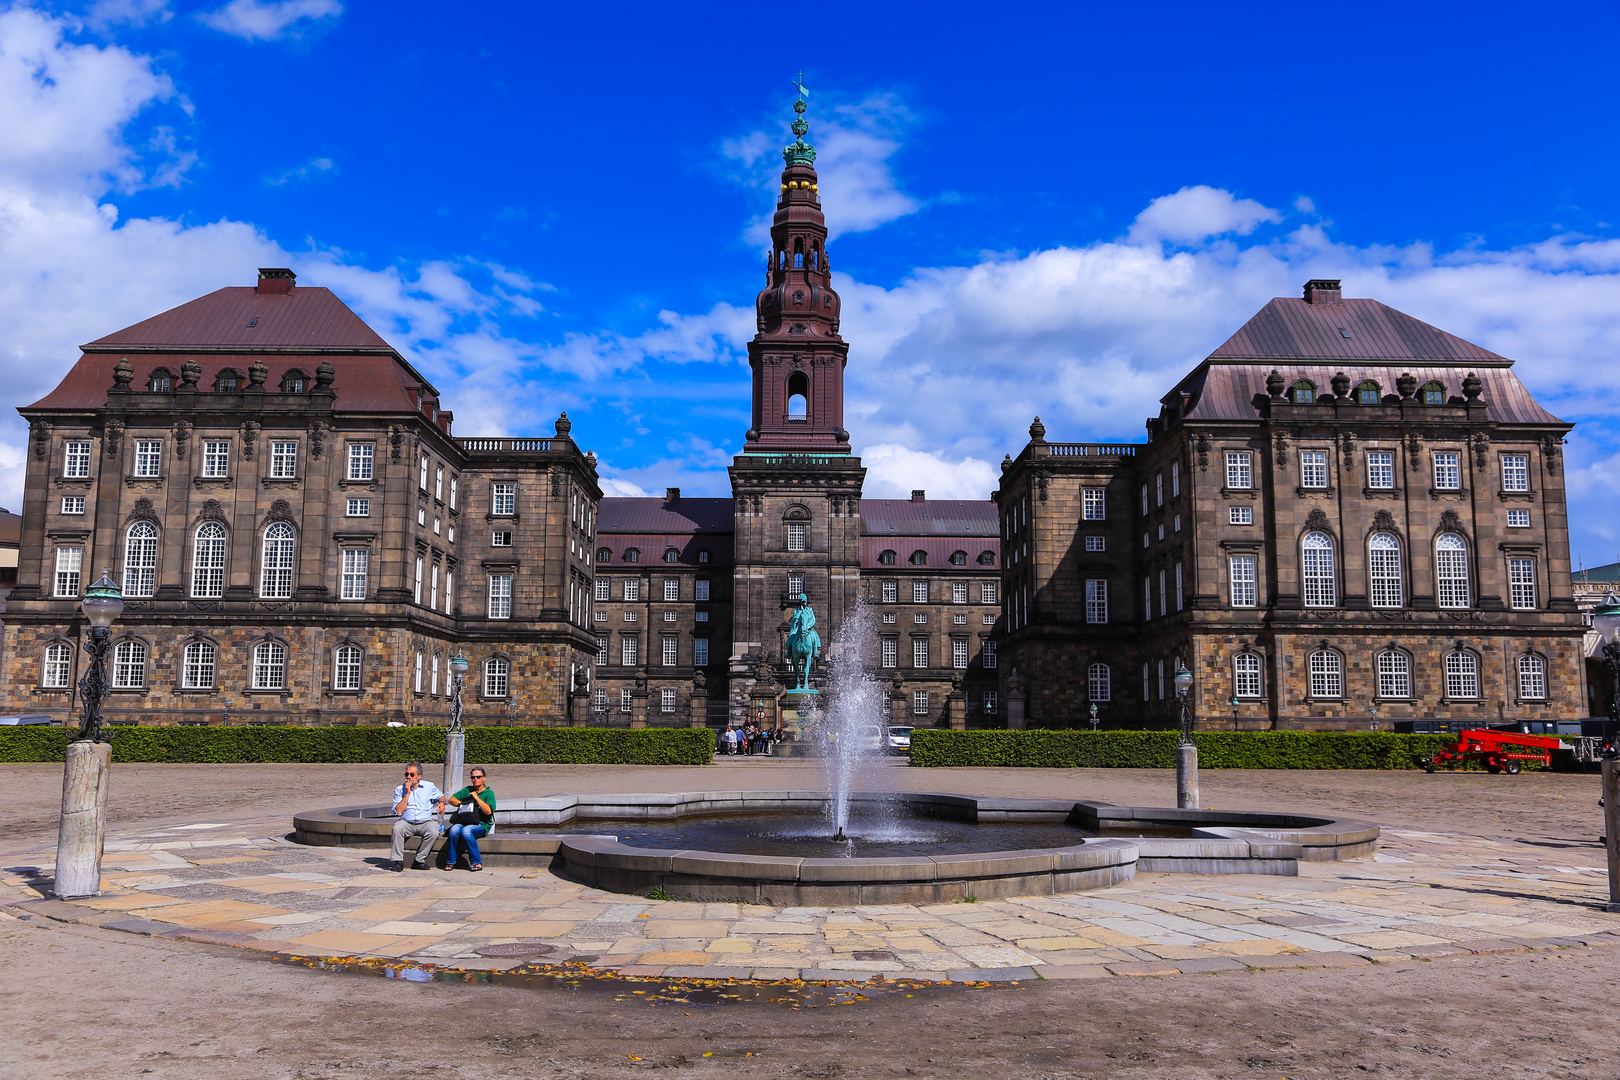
x: 852, y: 719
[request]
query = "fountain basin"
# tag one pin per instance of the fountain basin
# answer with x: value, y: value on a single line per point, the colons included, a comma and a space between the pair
x: 1112, y: 843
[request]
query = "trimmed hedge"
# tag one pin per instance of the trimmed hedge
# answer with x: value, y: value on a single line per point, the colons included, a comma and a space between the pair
x: 357, y: 745
x: 1157, y: 749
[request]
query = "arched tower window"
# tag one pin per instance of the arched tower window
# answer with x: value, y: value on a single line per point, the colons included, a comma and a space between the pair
x: 208, y: 561
x: 276, y: 562
x: 1384, y: 570
x: 1451, y: 571
x: 798, y: 253
x: 140, y: 559
x: 1316, y: 564
x: 798, y: 397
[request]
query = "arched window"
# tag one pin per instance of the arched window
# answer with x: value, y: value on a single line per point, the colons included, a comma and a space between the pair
x: 1303, y: 392
x: 958, y: 558
x: 1316, y: 565
x: 703, y: 556
x: 671, y: 555
x: 269, y: 666
x: 276, y: 562
x: 1532, y: 678
x: 1394, y: 674
x: 161, y: 382
x: 1462, y: 675
x: 140, y: 559
x: 346, y: 667
x: 1367, y: 393
x: 227, y: 382
x: 1246, y: 668
x: 919, y: 558
x: 632, y: 555
x: 798, y: 388
x: 987, y: 558
x: 1434, y: 394
x: 199, y: 665
x: 604, y: 555
x: 58, y: 671
x: 293, y: 382
x: 208, y: 561
x: 1384, y: 570
x: 798, y: 254
x: 886, y: 558
x: 1451, y: 571
x: 129, y: 665
x: 496, y: 671
x: 1327, y: 674
x: 1099, y: 683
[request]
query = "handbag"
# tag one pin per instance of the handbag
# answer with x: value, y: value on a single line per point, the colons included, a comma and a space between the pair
x: 464, y: 816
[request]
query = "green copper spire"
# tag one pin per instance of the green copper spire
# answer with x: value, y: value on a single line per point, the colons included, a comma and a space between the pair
x: 799, y: 152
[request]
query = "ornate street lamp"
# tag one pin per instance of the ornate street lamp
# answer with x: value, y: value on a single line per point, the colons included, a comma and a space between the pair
x: 1186, y: 750
x: 102, y: 604
x: 458, y: 672
x: 1094, y: 719
x: 1372, y: 709
x: 1234, y: 703
x: 1184, y: 681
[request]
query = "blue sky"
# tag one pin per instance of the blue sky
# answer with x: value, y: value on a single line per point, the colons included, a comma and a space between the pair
x: 1037, y: 209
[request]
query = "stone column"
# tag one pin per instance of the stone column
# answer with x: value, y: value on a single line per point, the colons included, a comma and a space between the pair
x: 455, y: 757
x: 899, y: 710
x: 1611, y: 827
x: 1015, y: 701
x: 83, y: 830
x: 638, y: 707
x: 579, y: 709
x: 698, y: 709
x: 956, y: 706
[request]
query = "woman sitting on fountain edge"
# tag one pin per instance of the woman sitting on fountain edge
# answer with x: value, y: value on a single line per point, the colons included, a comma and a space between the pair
x: 467, y: 833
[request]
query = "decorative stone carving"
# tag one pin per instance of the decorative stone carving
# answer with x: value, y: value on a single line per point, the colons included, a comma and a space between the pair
x: 556, y: 481
x: 1482, y: 450
x: 1341, y: 386
x: 590, y: 459
x: 1384, y: 521
x: 280, y: 510
x: 1551, y: 452
x: 396, y: 441
x: 1406, y: 385
x: 212, y: 511
x: 1472, y: 387
x: 182, y: 437
x: 190, y: 373
x: 1348, y: 450
x: 564, y: 426
x: 123, y: 372
x: 1042, y: 477
x: 1282, y: 448
x: 1414, y: 452
x: 250, y: 435
x: 317, y: 438
x: 700, y: 681
x: 1006, y: 462
x: 113, y: 436
x: 257, y: 373
x: 1275, y: 384
x: 324, y: 375
x: 1316, y: 519
x: 1037, y: 431
x: 1450, y: 522
x: 142, y: 511
x: 1203, y: 451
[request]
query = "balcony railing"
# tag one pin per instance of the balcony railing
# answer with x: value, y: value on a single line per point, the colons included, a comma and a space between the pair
x: 505, y: 446
x: 1087, y: 450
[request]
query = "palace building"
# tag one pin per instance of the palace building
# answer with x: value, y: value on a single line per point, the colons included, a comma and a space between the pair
x: 1341, y: 510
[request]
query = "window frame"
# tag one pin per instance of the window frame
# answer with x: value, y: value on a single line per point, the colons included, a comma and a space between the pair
x: 130, y: 657
x: 1531, y: 668
x: 1386, y: 579
x: 76, y: 459
x: 268, y: 658
x: 1319, y: 585
x: 1392, y: 671
x: 354, y: 570
x: 1240, y: 470
x: 1522, y: 592
x: 1248, y: 676
x: 499, y: 596
x: 56, y: 666
x: 1453, y: 586
x: 1093, y: 504
x: 348, y: 667
x: 497, y: 681
x: 503, y: 498
x: 216, y: 459
x: 1096, y: 601
x: 148, y: 459
x: 1381, y: 472
x: 139, y: 574
x: 1447, y: 466
x: 1326, y: 674
x: 362, y: 462
x: 1313, y: 470
x: 1099, y: 683
x: 1243, y: 590
x: 284, y: 459
x: 1466, y: 667
x: 277, y: 565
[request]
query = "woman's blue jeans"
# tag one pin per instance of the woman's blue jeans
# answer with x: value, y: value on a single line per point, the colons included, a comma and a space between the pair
x: 468, y: 836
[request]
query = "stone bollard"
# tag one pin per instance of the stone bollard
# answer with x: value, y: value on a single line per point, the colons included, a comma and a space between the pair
x: 83, y: 830
x: 1611, y: 828
x: 455, y: 758
x: 1187, y: 776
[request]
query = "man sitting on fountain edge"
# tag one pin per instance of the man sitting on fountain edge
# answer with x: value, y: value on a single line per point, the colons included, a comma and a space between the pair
x: 415, y: 801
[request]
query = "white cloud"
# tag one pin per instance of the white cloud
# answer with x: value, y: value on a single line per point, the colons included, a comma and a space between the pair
x: 104, y: 14
x: 267, y: 20
x: 1195, y: 214
x: 893, y: 472
x: 314, y: 167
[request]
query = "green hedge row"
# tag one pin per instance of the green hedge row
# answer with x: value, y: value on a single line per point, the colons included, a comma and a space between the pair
x: 485, y: 745
x: 1157, y: 749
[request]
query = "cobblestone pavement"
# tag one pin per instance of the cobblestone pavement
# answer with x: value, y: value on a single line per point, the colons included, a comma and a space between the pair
x: 1424, y: 894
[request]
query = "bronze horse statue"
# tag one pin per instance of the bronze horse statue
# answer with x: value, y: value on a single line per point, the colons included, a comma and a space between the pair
x: 803, y: 643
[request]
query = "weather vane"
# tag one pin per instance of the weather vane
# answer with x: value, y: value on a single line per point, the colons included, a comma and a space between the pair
x: 798, y: 84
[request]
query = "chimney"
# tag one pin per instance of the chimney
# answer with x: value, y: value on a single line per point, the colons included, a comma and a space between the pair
x: 919, y: 495
x: 672, y: 495
x: 1323, y: 291
x: 276, y: 279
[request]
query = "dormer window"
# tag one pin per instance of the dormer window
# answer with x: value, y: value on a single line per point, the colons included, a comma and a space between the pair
x: 919, y: 558
x: 293, y: 382
x: 632, y: 555
x: 958, y: 558
x: 604, y: 555
x: 886, y: 558
x: 987, y: 558
x: 1303, y: 393
x: 227, y: 382
x: 671, y: 555
x: 1434, y: 394
x: 1367, y: 393
x: 161, y: 383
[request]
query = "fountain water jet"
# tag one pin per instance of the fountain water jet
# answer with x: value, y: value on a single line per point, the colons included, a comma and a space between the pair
x: 851, y: 720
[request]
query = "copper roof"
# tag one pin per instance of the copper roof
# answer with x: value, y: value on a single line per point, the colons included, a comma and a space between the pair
x: 307, y: 318
x: 650, y: 548
x: 1289, y: 328
x: 938, y: 549
x: 653, y: 516
x: 929, y: 517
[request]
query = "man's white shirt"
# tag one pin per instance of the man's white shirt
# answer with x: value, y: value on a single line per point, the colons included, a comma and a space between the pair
x: 420, y: 808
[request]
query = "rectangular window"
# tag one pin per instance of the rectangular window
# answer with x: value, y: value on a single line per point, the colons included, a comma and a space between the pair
x: 357, y: 508
x: 1313, y: 469
x: 69, y: 565
x: 602, y: 587
x: 356, y: 562
x: 216, y: 458
x: 74, y: 504
x: 448, y: 582
x: 438, y: 483
x: 76, y: 460
x: 421, y: 515
x: 1092, y: 504
x: 988, y: 651
x: 433, y: 590
x: 1144, y: 499
x: 1158, y: 489
x: 700, y: 652
x: 630, y: 616
x: 421, y: 476
x: 1147, y: 598
x: 919, y: 619
x: 1096, y: 543
x: 958, y: 592
x: 198, y: 666
x: 990, y: 701
x: 891, y: 592
x: 628, y: 648
x: 919, y: 703
x: 1515, y: 472
x: 1394, y: 675
x: 919, y: 592
x: 959, y: 653
x: 1178, y: 523
x: 1246, y: 675
x: 632, y: 588
x: 283, y: 460
x: 701, y: 589
x: 1462, y: 675
x: 890, y: 649
x: 1381, y: 470
x: 601, y: 649
x: 1096, y: 600
x: 435, y: 526
x: 129, y: 665
x: 148, y: 457
x: 989, y: 619
x: 1522, y: 584
x: 795, y: 536
x: 360, y: 460
x: 452, y: 493
x: 1244, y: 593
x: 919, y: 652
x: 671, y: 648
x: 418, y: 673
x: 700, y: 616
x: 1327, y: 674
x: 500, y: 596
x: 503, y: 499
x: 1240, y: 515
x: 988, y: 591
x: 1178, y: 586
x: 795, y: 585
x: 1239, y: 470
x: 433, y: 674
x: 500, y: 539
x: 672, y: 588
x: 1516, y: 519
x: 1163, y: 598
x: 1532, y: 678
x: 666, y: 701
x: 1175, y: 479
x: 1447, y: 471
x: 416, y: 590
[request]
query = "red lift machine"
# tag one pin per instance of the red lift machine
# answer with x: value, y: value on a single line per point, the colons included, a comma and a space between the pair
x: 1498, y: 751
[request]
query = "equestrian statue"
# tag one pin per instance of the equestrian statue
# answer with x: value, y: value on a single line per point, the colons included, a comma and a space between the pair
x: 803, y: 644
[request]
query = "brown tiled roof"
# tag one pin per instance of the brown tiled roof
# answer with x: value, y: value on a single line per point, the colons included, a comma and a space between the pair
x: 930, y: 517
x: 939, y: 551
x: 308, y: 318
x: 652, y: 515
x: 365, y: 383
x: 653, y: 545
x: 1227, y: 391
x: 1288, y: 328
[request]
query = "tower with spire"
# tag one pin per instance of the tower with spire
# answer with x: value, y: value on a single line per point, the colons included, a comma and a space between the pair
x: 796, y: 486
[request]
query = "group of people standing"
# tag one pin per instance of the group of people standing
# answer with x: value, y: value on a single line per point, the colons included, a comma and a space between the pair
x: 748, y: 740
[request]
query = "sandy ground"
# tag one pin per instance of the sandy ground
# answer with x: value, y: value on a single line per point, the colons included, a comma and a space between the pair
x: 82, y: 1002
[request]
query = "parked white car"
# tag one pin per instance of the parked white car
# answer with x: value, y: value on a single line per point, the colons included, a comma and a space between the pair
x: 899, y: 741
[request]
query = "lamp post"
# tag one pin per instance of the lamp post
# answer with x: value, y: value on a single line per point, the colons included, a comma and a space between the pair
x: 1372, y: 710
x: 1606, y: 621
x: 1233, y: 701
x: 1186, y: 752
x: 82, y: 832
x: 455, y: 736
x: 1094, y: 719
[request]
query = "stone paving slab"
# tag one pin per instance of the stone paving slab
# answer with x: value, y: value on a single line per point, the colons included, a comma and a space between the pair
x: 1422, y: 896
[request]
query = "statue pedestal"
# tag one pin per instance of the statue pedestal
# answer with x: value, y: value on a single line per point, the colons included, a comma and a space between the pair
x: 797, y: 707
